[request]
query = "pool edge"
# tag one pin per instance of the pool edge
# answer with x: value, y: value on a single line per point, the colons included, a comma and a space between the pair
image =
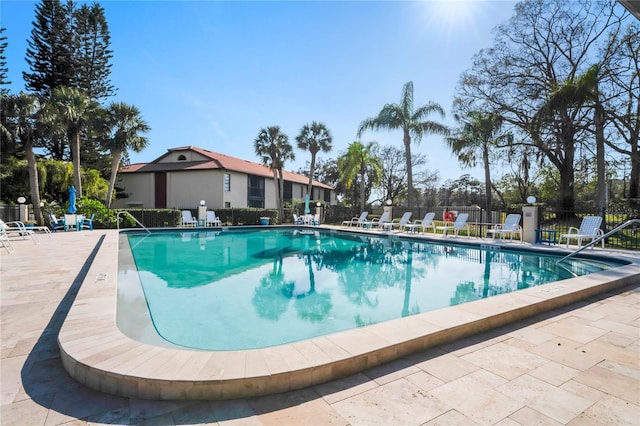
x: 95, y: 353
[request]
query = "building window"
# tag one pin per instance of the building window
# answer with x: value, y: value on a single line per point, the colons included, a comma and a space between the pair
x: 227, y: 204
x: 182, y: 158
x: 255, y: 191
x: 288, y: 191
x: 227, y: 182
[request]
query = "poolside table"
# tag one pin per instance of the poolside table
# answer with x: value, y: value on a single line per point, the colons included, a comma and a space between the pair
x: 546, y: 236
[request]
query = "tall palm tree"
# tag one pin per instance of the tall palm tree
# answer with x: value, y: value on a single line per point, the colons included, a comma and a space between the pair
x: 22, y: 111
x: 126, y: 125
x: 360, y: 161
x: 412, y: 122
x: 478, y: 134
x: 314, y: 138
x: 274, y: 149
x: 72, y: 109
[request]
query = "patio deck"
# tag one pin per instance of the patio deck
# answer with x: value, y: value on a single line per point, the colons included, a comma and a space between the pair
x: 575, y: 365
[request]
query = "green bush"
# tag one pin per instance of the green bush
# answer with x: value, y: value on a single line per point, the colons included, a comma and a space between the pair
x: 104, y: 218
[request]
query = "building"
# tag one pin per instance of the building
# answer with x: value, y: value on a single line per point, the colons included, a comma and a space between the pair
x: 184, y: 176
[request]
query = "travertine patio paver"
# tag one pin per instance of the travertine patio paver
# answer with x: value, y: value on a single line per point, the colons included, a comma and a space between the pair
x: 576, y: 365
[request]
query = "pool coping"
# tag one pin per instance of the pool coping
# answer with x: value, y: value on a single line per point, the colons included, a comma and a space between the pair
x: 97, y: 354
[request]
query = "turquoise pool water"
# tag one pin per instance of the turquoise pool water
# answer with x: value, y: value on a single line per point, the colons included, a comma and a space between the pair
x: 252, y: 288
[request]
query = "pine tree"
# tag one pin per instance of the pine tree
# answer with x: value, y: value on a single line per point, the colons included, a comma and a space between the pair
x: 3, y: 65
x: 50, y: 54
x: 92, y: 54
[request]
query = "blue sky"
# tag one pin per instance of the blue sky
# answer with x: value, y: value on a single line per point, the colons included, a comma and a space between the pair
x: 213, y: 73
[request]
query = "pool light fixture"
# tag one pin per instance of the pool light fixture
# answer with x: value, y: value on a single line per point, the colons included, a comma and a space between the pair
x: 21, y: 200
x: 202, y: 202
x: 531, y: 199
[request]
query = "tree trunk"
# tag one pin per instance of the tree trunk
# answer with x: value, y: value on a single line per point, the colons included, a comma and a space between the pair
x: 311, y: 171
x: 362, y: 175
x: 407, y: 151
x: 566, y: 205
x: 276, y: 185
x: 34, y: 182
x: 487, y: 177
x: 634, y: 177
x: 76, y: 164
x: 115, y: 163
x: 598, y: 120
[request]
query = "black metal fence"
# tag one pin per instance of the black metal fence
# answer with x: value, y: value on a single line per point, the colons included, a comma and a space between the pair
x: 549, y: 218
x: 627, y: 238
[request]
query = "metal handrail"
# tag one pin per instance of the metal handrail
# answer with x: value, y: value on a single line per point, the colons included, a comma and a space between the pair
x: 602, y: 237
x: 132, y: 217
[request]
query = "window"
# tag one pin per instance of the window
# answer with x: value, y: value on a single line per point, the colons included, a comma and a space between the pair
x: 182, y: 158
x: 227, y: 182
x: 255, y: 191
x: 288, y: 191
x: 227, y: 204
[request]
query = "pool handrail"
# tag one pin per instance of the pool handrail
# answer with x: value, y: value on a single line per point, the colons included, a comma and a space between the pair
x: 119, y: 212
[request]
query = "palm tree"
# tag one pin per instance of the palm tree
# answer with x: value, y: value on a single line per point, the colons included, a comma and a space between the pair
x: 314, y: 138
x: 360, y: 161
x: 22, y: 112
x: 412, y: 122
x: 126, y: 125
x: 72, y: 109
x: 578, y: 92
x: 274, y: 149
x: 479, y: 133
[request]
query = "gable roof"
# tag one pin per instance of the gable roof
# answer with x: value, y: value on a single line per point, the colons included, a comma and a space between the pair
x: 215, y: 160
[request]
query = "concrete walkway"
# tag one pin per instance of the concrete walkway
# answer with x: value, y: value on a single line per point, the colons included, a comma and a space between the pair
x: 579, y: 365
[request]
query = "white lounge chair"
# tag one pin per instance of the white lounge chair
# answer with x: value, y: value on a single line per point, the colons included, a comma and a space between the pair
x: 510, y: 227
x: 297, y: 220
x: 404, y: 220
x: 212, y: 219
x: 425, y: 223
x: 18, y: 229
x: 589, y: 229
x: 357, y: 221
x: 378, y: 222
x: 456, y: 226
x: 188, y: 219
x: 5, y: 241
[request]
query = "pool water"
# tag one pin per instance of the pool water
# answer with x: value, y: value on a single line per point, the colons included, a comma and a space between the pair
x: 253, y: 288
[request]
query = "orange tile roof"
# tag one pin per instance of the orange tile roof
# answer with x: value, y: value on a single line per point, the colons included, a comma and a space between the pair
x: 215, y: 161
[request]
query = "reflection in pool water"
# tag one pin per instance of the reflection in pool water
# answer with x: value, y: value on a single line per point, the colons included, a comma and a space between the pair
x: 246, y: 289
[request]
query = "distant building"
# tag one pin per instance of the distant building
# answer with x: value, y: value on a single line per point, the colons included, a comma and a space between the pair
x: 184, y: 176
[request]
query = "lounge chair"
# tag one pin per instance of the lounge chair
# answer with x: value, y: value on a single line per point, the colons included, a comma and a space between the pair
x: 456, y: 226
x: 188, y: 219
x: 378, y: 222
x: 315, y: 220
x: 400, y: 224
x: 88, y: 223
x: 5, y: 241
x: 357, y: 221
x: 18, y: 229
x: 212, y: 219
x: 510, y: 226
x: 426, y: 222
x: 589, y: 229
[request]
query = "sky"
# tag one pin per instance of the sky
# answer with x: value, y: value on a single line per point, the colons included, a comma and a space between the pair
x: 211, y: 74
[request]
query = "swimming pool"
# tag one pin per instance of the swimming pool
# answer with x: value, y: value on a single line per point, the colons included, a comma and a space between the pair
x: 255, y: 288
x: 98, y: 353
